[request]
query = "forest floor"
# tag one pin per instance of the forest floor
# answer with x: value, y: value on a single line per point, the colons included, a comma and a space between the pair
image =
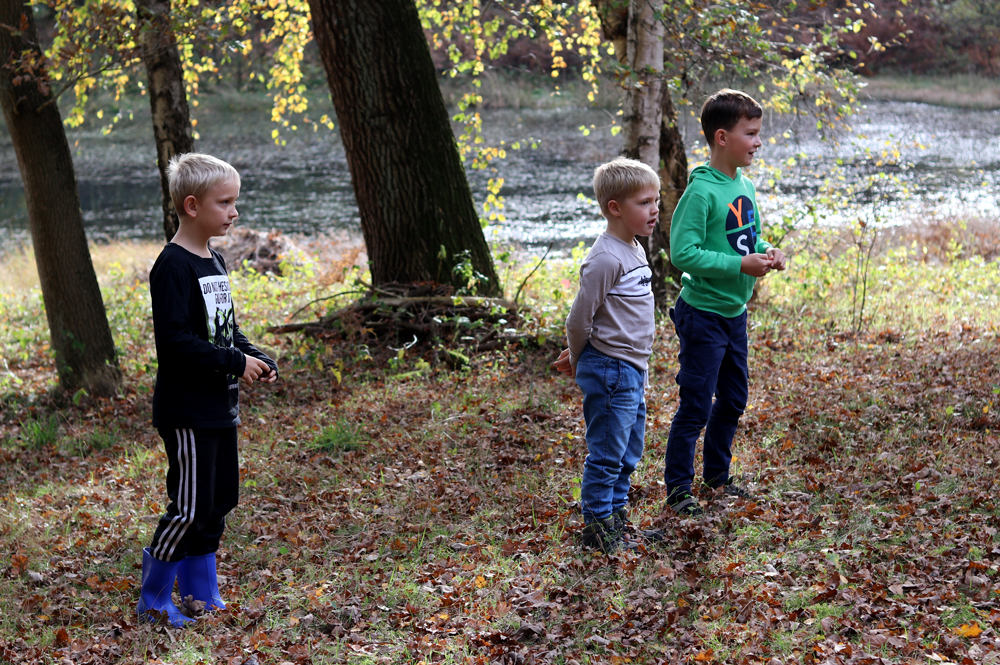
x: 394, y: 510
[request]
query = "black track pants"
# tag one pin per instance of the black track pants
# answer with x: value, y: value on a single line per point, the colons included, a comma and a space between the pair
x: 203, y: 483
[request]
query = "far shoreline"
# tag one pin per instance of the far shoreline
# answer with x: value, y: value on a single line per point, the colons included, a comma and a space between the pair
x: 956, y: 91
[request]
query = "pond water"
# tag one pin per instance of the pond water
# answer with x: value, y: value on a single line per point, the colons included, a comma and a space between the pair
x: 304, y: 186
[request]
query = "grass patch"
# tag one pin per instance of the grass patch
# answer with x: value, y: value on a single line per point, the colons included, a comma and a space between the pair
x: 342, y: 436
x: 38, y: 433
x: 92, y: 442
x: 958, y: 613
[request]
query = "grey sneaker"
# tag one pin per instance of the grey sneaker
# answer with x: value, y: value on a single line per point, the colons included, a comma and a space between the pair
x: 625, y: 528
x: 604, y: 535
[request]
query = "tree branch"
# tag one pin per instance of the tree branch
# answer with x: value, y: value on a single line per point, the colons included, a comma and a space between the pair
x: 537, y: 266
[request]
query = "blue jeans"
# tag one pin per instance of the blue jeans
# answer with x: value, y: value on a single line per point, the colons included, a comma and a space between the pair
x: 614, y: 406
x: 713, y: 360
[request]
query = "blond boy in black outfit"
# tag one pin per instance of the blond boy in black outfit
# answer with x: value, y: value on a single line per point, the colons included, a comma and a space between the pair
x: 202, y: 355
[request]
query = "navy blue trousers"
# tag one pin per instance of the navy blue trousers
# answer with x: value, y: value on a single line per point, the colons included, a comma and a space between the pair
x: 713, y: 363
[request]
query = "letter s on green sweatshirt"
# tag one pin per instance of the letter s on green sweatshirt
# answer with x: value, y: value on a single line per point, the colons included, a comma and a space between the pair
x: 716, y: 223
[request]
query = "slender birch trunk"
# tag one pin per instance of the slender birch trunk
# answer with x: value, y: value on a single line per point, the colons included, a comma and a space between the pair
x: 643, y: 109
x: 167, y: 97
x: 649, y: 130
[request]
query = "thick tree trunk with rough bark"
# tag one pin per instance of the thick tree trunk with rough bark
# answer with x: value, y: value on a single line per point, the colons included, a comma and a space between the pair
x: 78, y: 324
x: 167, y: 97
x: 417, y: 213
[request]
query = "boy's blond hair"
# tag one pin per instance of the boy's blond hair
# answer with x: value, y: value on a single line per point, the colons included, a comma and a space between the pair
x: 194, y: 173
x: 621, y: 178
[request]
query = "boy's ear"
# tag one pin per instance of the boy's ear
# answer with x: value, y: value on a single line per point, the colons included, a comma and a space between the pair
x: 720, y: 137
x: 190, y: 206
x: 614, y: 208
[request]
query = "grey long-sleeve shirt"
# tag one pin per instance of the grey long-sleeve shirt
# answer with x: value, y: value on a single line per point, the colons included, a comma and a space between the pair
x: 614, y: 308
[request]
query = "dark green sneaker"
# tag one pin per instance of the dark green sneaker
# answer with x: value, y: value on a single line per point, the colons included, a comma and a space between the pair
x: 685, y: 505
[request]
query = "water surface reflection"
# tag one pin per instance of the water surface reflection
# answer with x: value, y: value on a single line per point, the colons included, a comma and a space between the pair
x: 304, y: 187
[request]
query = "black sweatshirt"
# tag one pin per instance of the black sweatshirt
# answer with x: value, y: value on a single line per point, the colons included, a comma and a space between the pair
x: 200, y: 349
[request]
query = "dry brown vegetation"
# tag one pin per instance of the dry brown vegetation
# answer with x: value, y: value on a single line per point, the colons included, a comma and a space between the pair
x: 972, y: 92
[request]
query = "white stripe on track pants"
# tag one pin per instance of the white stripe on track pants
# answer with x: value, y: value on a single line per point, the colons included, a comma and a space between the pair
x: 203, y: 483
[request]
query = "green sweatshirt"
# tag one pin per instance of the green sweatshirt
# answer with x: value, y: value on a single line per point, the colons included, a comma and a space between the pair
x: 716, y: 223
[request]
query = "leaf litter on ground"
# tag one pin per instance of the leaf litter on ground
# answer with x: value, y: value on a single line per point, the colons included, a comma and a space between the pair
x: 447, y: 530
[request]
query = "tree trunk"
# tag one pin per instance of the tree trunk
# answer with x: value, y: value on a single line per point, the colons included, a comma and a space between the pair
x: 673, y: 182
x: 634, y: 49
x: 167, y: 97
x: 614, y: 24
x: 643, y: 104
x: 417, y: 213
x: 78, y: 324
x: 646, y: 129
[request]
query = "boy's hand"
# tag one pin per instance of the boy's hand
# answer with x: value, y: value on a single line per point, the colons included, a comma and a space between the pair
x: 756, y: 265
x: 256, y: 369
x: 563, y: 365
x: 777, y: 258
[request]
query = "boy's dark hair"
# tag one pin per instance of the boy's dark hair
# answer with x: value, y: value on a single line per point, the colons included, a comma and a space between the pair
x: 724, y: 109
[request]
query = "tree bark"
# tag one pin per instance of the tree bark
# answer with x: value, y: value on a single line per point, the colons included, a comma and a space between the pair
x: 673, y: 182
x: 642, y: 109
x: 167, y: 97
x: 671, y: 157
x: 614, y: 24
x: 643, y: 129
x: 78, y: 325
x: 417, y: 213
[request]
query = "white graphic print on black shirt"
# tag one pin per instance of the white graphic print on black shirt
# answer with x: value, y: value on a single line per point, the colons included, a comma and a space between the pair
x: 218, y: 309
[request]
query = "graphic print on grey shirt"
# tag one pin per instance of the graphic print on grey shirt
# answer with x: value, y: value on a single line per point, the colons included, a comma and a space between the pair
x: 614, y: 308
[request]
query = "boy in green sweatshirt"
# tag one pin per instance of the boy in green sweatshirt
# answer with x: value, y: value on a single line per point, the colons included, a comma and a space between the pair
x: 715, y: 241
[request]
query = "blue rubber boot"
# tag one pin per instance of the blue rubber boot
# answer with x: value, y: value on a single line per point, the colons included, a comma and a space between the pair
x: 196, y: 577
x: 157, y: 585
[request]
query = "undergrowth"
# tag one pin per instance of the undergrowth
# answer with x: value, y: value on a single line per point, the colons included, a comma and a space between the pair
x: 406, y: 512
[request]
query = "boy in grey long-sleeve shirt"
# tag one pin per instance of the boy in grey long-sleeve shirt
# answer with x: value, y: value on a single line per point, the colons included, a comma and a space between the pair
x: 610, y: 336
